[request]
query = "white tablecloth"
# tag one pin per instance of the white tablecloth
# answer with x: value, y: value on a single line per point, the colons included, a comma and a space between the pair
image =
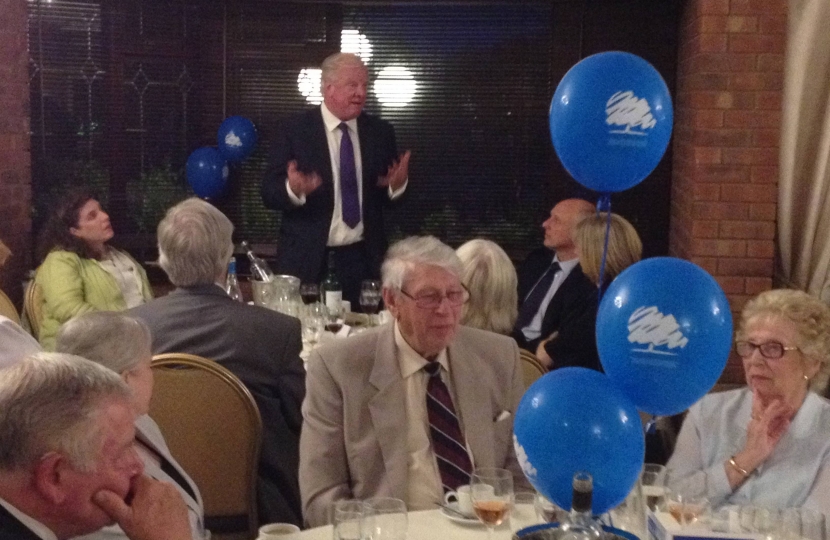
x: 433, y: 525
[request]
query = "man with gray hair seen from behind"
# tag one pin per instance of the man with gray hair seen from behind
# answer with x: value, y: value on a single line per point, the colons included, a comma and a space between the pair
x: 67, y: 461
x: 404, y: 410
x: 258, y: 345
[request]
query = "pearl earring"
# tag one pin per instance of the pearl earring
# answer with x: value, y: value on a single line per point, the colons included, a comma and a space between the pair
x: 806, y: 378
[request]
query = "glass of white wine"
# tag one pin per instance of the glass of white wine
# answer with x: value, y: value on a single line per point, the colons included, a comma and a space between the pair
x: 491, y: 491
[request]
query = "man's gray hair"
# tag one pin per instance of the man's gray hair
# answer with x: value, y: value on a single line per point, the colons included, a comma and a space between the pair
x: 112, y: 339
x: 332, y: 64
x: 410, y: 252
x: 51, y: 402
x: 195, y: 244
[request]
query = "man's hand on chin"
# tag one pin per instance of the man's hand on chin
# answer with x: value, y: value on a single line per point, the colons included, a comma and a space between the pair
x: 152, y: 511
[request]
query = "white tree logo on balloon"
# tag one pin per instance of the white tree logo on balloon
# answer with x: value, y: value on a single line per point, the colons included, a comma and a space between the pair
x: 626, y: 109
x: 647, y: 326
x: 529, y: 470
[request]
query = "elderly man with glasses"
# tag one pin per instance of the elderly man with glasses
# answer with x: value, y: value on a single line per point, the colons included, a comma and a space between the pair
x: 407, y: 409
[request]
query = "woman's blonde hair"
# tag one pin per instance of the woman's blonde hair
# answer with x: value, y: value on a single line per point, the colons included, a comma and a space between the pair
x: 809, y: 315
x: 624, y: 246
x: 490, y: 277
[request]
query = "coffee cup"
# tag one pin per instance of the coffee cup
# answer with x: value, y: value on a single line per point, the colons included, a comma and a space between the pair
x: 278, y: 531
x: 461, y: 497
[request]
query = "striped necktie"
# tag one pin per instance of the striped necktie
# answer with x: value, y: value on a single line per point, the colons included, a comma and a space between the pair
x: 454, y: 463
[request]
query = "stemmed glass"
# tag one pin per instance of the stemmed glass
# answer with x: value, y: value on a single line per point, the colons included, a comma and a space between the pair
x: 370, y: 298
x: 491, y: 491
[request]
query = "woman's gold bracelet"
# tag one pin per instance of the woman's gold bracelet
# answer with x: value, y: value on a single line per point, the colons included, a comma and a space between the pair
x: 738, y: 468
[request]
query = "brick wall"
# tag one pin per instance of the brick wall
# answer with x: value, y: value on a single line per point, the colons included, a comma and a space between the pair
x: 15, y: 174
x: 727, y: 124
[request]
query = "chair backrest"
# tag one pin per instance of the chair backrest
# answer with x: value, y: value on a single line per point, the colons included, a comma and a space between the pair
x: 33, y: 306
x: 7, y: 308
x: 213, y: 428
x: 532, y: 368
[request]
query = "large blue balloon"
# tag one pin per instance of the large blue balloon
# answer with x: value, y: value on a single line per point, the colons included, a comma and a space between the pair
x: 236, y: 138
x: 207, y: 172
x: 575, y: 419
x: 664, y: 331
x: 611, y: 121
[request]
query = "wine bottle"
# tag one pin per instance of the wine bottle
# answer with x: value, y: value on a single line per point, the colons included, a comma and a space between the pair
x: 332, y: 290
x: 259, y: 268
x: 232, y: 282
x: 580, y: 523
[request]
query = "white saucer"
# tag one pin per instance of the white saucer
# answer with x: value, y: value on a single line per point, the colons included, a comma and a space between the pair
x: 457, y: 518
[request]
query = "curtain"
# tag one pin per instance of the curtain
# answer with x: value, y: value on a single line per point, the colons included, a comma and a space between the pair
x: 804, y: 189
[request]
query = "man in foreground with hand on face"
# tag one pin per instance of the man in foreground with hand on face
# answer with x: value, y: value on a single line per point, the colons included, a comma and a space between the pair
x: 67, y: 462
x: 407, y: 409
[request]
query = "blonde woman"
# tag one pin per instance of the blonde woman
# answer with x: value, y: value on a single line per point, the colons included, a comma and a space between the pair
x: 489, y: 276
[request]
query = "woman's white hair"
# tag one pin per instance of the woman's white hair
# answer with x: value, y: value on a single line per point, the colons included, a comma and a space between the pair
x: 809, y: 315
x: 489, y: 275
x: 51, y: 402
x: 407, y: 254
x: 195, y: 243
x: 114, y: 340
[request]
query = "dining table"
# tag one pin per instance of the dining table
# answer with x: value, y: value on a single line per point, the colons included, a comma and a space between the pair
x: 439, y: 524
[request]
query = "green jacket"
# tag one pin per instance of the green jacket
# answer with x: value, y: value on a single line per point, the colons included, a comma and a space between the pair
x: 73, y: 285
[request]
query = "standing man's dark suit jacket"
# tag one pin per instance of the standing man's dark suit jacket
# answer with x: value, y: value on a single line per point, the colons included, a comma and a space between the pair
x: 12, y: 529
x: 262, y: 348
x: 571, y: 313
x: 304, y: 230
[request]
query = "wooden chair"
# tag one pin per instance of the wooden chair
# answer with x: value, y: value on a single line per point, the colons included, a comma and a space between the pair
x: 532, y: 368
x: 7, y: 308
x: 213, y: 428
x: 33, y: 307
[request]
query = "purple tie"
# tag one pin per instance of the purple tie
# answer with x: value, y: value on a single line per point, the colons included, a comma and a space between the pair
x: 348, y: 180
x: 454, y: 463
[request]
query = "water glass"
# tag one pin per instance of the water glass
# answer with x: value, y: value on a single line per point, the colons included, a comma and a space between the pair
x: 524, y: 510
x: 348, y: 520
x: 630, y: 515
x: 798, y: 523
x: 760, y: 520
x: 385, y: 518
x: 653, y: 479
x: 491, y: 491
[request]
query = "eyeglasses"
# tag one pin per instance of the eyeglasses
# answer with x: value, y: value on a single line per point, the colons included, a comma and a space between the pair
x: 771, y: 350
x: 433, y: 300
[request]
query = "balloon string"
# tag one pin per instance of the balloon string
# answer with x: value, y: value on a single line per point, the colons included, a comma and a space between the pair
x: 604, y: 205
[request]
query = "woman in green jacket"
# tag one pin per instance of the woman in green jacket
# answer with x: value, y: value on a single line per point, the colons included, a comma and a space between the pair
x: 80, y: 271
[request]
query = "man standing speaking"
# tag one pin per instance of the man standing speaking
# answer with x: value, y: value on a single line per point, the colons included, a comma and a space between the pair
x: 332, y: 171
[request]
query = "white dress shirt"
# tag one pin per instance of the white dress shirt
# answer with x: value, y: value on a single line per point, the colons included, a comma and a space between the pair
x: 534, y: 329
x: 126, y: 275
x: 423, y: 486
x: 341, y: 234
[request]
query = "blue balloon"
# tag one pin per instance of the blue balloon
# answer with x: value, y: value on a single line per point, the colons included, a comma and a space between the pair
x: 236, y: 138
x: 574, y: 419
x: 664, y: 331
x: 207, y: 172
x: 611, y: 121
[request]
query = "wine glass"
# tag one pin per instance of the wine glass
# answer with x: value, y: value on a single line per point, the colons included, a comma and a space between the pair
x: 334, y: 320
x: 310, y: 293
x: 370, y: 298
x: 491, y: 491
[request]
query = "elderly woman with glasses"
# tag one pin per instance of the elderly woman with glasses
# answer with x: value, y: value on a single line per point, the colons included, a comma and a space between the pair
x: 767, y: 443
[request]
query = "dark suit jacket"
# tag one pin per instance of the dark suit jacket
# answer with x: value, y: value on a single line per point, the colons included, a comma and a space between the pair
x: 12, y: 529
x: 572, y: 313
x: 262, y: 348
x: 304, y: 230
